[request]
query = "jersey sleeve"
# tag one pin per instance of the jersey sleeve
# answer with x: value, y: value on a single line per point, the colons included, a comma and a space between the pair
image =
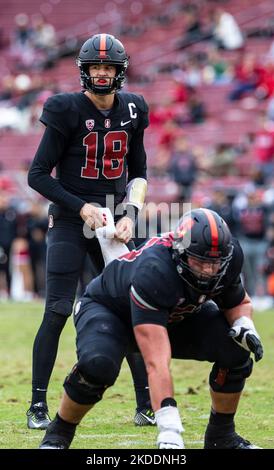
x: 143, y: 109
x: 58, y: 113
x: 48, y: 154
x: 151, y: 295
x: 136, y: 157
x: 232, y: 295
x: 234, y: 291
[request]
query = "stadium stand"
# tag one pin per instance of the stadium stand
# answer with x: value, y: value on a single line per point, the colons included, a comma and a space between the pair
x: 153, y: 33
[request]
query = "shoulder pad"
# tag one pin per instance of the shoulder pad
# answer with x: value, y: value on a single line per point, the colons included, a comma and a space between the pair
x: 238, y: 252
x: 57, y: 114
x: 58, y: 103
x: 236, y: 263
x: 136, y: 99
x: 60, y: 113
x: 155, y: 281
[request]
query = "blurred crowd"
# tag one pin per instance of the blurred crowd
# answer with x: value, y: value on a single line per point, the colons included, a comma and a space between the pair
x: 23, y: 229
x: 211, y: 51
x: 35, y: 47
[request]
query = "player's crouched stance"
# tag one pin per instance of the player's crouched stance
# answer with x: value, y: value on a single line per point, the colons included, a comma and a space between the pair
x: 175, y: 299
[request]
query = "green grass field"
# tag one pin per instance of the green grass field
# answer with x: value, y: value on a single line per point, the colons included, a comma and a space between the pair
x: 109, y: 425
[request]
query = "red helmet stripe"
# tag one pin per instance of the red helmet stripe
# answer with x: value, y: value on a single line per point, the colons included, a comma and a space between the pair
x: 102, y: 46
x: 213, y: 230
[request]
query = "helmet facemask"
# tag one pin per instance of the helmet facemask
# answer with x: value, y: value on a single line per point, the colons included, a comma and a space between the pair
x: 197, y: 279
x: 115, y: 83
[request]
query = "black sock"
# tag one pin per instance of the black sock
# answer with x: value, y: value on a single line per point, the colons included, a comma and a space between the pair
x: 59, y: 429
x: 44, y: 354
x: 64, y: 424
x: 38, y: 396
x: 218, y: 419
x: 142, y: 399
x: 169, y: 401
x: 62, y: 428
x: 139, y: 375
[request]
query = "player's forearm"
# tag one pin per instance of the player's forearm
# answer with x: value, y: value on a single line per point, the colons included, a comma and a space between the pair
x: 51, y: 189
x: 154, y: 345
x: 137, y: 158
x: 244, y: 309
x: 160, y: 385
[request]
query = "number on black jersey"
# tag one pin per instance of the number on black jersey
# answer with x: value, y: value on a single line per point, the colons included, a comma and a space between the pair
x: 112, y: 139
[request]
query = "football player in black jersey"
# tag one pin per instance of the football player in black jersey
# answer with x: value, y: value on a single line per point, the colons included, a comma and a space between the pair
x: 178, y: 296
x: 94, y: 139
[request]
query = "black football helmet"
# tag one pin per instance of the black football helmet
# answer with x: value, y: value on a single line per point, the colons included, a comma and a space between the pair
x: 102, y: 49
x: 203, y: 235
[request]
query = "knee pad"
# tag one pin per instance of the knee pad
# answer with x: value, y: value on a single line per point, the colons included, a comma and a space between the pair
x: 99, y: 369
x: 225, y: 380
x: 88, y: 381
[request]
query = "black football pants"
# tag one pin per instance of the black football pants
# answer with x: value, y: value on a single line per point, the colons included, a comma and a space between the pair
x: 67, y: 248
x: 104, y: 336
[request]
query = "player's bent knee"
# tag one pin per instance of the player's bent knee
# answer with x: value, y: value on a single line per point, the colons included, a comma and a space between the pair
x: 224, y: 380
x: 99, y: 368
x: 80, y: 390
x: 88, y: 381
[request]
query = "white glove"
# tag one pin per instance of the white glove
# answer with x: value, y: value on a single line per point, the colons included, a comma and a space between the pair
x: 245, y: 335
x: 170, y: 426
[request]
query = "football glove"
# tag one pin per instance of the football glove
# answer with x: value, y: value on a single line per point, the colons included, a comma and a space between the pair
x: 245, y: 335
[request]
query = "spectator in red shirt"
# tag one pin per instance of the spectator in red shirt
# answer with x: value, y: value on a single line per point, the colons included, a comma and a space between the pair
x: 248, y: 75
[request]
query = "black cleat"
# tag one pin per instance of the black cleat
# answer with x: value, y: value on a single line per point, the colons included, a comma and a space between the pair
x: 53, y: 443
x: 228, y: 440
x: 145, y: 417
x: 37, y: 416
x: 57, y: 437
